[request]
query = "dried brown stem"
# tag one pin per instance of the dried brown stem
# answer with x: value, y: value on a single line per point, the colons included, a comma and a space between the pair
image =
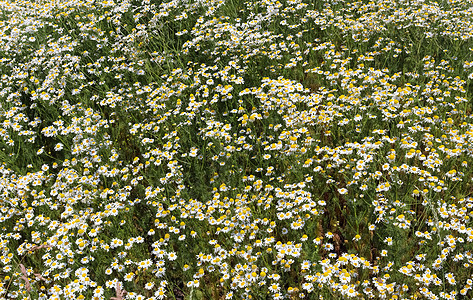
x: 24, y: 276
x: 119, y: 293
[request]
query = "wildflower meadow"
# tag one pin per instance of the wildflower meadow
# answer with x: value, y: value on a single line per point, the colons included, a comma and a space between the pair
x: 231, y: 149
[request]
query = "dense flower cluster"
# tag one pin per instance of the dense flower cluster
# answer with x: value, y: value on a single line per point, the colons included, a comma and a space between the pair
x: 225, y: 149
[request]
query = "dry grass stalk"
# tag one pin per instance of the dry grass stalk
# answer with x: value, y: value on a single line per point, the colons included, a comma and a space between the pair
x: 40, y: 247
x: 119, y: 293
x: 24, y: 276
x: 38, y: 276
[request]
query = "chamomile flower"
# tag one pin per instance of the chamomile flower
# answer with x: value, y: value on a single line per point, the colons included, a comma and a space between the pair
x: 149, y: 285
